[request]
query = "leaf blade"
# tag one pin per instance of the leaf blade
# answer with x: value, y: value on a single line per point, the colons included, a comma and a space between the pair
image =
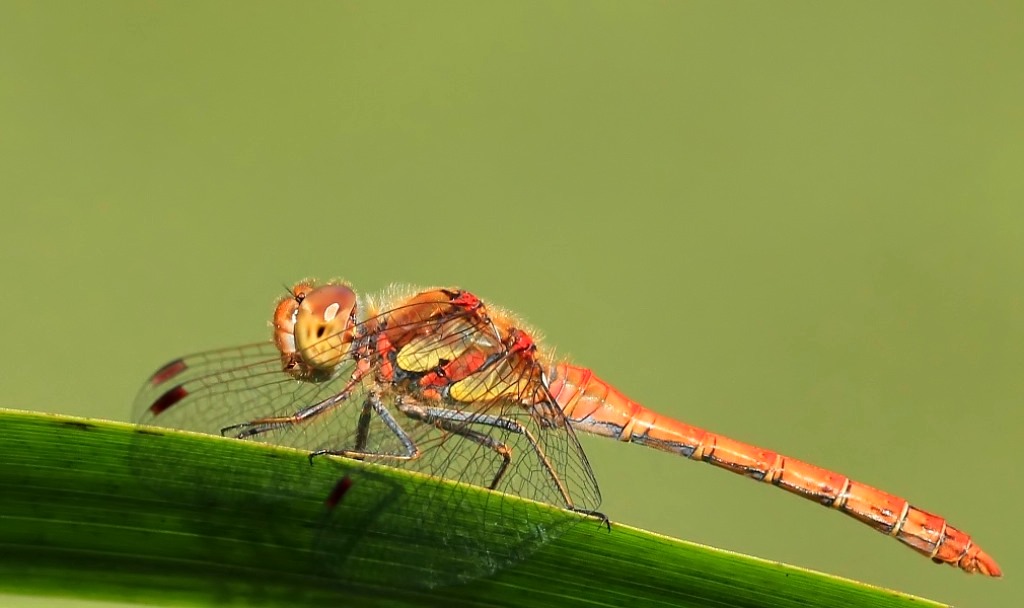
x: 76, y: 518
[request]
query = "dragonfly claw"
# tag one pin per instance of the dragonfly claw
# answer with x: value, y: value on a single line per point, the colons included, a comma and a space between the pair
x: 601, y: 517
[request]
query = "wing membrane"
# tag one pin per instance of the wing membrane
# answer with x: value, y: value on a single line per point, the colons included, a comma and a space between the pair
x: 484, y: 418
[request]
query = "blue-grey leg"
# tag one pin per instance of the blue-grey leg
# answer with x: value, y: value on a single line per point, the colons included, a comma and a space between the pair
x: 457, y: 421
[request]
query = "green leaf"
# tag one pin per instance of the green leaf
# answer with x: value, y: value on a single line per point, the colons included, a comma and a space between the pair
x: 104, y: 510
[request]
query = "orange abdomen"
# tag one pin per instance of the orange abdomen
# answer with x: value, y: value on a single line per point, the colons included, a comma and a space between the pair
x: 594, y: 406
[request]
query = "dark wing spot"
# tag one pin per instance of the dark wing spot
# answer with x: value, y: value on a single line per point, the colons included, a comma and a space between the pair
x: 168, y: 399
x: 168, y: 371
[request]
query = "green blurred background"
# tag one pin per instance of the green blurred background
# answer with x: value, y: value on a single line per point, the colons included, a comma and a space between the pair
x: 799, y: 225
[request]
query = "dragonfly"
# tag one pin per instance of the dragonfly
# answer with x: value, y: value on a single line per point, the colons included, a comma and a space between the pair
x: 439, y: 382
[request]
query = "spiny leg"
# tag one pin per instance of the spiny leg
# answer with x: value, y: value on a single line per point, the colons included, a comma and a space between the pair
x: 363, y: 425
x: 417, y: 412
x: 373, y: 403
x: 436, y: 415
x: 270, y: 423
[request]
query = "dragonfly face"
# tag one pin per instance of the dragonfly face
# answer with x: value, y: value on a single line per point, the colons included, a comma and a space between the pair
x: 313, y: 328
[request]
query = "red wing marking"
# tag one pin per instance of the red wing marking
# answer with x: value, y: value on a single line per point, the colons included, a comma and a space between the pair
x: 168, y: 371
x: 165, y: 401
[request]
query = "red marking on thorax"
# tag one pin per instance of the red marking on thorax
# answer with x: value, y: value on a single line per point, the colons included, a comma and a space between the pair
x: 467, y: 300
x: 462, y: 367
x: 384, y: 348
x: 521, y: 342
x: 425, y: 313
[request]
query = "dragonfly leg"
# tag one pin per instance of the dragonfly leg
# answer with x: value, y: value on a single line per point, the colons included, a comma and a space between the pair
x: 269, y: 423
x: 363, y: 425
x: 450, y: 420
x: 410, y: 451
x: 263, y: 425
x: 418, y: 412
x: 601, y: 518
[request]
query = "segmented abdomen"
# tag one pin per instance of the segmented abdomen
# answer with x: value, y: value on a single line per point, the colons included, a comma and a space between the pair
x: 594, y: 406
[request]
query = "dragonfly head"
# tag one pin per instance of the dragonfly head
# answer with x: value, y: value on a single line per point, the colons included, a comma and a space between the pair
x: 313, y: 327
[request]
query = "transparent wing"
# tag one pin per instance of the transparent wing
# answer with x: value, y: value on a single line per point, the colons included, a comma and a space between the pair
x: 210, y: 391
x: 488, y: 421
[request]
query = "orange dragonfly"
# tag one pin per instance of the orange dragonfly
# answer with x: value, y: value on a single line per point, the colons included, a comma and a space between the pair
x: 436, y: 381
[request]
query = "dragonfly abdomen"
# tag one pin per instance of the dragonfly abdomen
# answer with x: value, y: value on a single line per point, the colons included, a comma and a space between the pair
x: 592, y: 405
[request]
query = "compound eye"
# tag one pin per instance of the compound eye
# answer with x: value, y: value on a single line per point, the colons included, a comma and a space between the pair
x: 323, y: 325
x: 284, y: 317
